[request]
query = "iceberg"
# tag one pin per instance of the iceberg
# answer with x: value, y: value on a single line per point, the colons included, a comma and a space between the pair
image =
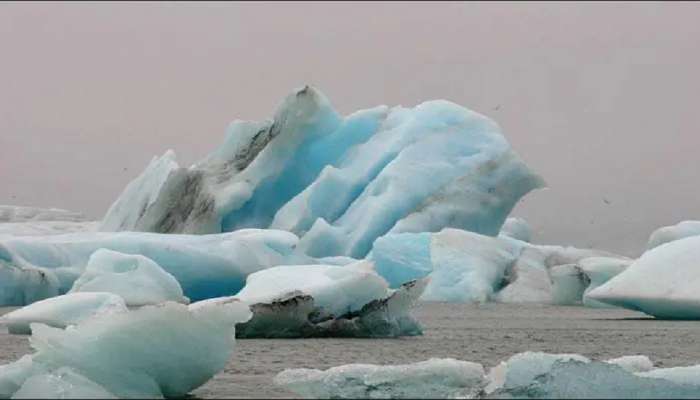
x: 634, y: 364
x: 166, y: 350
x: 517, y: 228
x: 64, y: 383
x: 598, y: 271
x: 205, y: 266
x: 663, y: 282
x: 135, y: 278
x: 521, y: 369
x: 62, y: 311
x: 336, y: 182
x: 327, y: 300
x: 466, y: 266
x: 434, y: 378
x: 33, y: 214
x: 577, y: 379
x: 674, y: 232
x: 44, y: 228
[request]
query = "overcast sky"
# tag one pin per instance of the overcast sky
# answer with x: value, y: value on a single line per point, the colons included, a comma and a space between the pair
x: 600, y: 98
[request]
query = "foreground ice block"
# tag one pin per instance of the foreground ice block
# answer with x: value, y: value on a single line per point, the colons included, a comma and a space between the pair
x: 165, y: 350
x: 674, y: 232
x: 576, y: 379
x: 434, y: 378
x: 337, y: 182
x: 205, y: 266
x: 62, y: 311
x: 135, y: 278
x: 663, y: 282
x: 327, y: 300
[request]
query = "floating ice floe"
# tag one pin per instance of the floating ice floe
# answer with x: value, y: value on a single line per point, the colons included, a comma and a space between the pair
x: 663, y: 282
x: 529, y: 375
x: 205, y: 266
x: 137, y: 279
x: 158, y: 351
x: 327, y: 300
x: 465, y: 266
x: 62, y: 311
x: 434, y: 378
x: 337, y: 182
x: 674, y: 232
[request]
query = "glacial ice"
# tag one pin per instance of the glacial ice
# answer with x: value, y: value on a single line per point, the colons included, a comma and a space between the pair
x: 337, y: 182
x: 576, y: 379
x: 327, y: 300
x: 166, y: 350
x: 634, y: 364
x: 64, y: 383
x: 529, y: 375
x: 465, y: 266
x: 205, y: 266
x: 137, y: 279
x: 598, y: 271
x: 517, y: 228
x: 44, y: 228
x: 663, y: 282
x: 61, y: 311
x: 434, y: 378
x: 674, y: 232
x: 16, y: 214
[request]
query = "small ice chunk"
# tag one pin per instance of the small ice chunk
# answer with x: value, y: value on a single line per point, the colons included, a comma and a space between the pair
x: 434, y: 378
x: 61, y: 311
x: 522, y: 368
x: 137, y: 279
x: 633, y: 364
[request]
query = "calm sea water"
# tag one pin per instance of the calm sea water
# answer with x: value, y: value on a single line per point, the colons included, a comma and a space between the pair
x: 481, y: 333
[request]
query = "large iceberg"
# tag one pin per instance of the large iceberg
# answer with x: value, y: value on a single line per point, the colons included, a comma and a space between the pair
x: 61, y: 311
x: 674, y: 232
x: 205, y: 266
x: 137, y: 279
x: 327, y: 300
x: 31, y: 221
x: 663, y: 282
x: 434, y: 378
x: 158, y: 351
x: 337, y: 182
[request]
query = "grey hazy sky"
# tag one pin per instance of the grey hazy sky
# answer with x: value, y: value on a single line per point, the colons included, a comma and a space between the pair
x: 599, y: 98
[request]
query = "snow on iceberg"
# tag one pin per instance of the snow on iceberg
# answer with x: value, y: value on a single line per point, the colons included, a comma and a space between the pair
x: 62, y: 311
x: 327, y: 300
x: 663, y: 282
x: 158, y: 351
x: 205, y: 266
x: 674, y: 232
x: 434, y: 378
x: 137, y: 279
x: 337, y: 182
